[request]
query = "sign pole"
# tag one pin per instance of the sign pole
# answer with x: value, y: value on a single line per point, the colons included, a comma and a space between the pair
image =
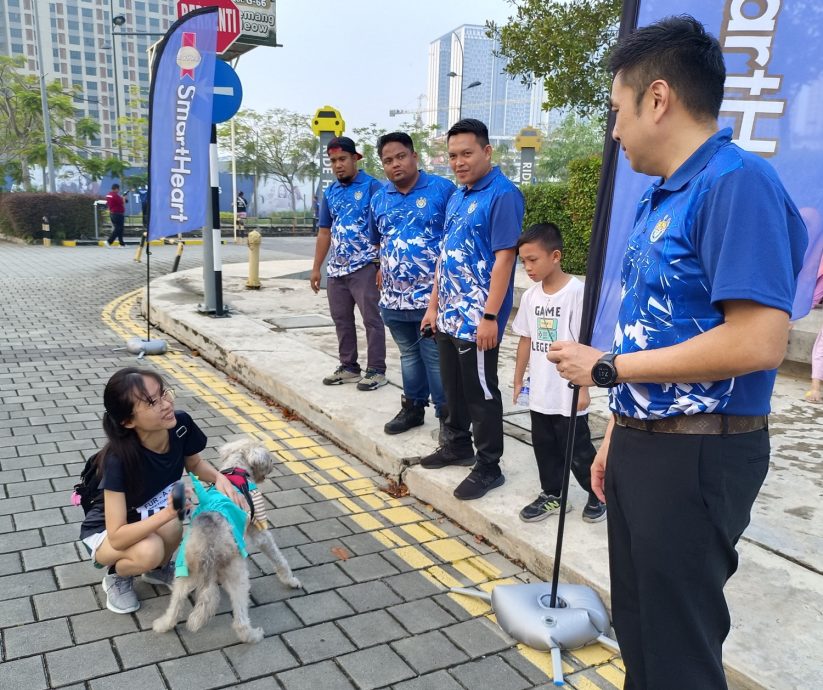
x: 528, y: 142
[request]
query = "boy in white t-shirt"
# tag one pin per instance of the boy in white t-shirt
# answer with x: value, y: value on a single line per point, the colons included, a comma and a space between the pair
x: 549, y: 311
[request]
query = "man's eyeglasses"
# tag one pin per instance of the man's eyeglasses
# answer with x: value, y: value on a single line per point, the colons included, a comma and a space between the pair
x: 168, y: 395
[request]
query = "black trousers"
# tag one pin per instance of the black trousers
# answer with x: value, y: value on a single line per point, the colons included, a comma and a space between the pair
x: 473, y: 401
x: 118, y: 221
x: 678, y: 503
x: 549, y: 433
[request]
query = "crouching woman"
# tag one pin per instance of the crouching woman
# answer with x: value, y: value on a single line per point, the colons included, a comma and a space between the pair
x: 136, y: 529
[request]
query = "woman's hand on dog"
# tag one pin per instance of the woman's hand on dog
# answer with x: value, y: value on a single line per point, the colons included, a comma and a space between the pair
x: 188, y: 505
x: 225, y: 487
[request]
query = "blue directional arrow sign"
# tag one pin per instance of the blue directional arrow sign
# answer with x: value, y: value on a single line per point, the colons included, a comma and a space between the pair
x: 228, y: 92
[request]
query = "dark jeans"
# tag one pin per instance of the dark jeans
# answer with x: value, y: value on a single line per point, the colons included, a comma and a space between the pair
x: 358, y: 288
x: 678, y: 503
x: 472, y: 400
x: 419, y: 361
x: 549, y: 433
x: 117, y: 226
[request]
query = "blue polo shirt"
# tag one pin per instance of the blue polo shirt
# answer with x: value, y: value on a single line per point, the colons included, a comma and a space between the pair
x: 345, y: 210
x: 722, y: 227
x: 409, y: 229
x: 479, y: 221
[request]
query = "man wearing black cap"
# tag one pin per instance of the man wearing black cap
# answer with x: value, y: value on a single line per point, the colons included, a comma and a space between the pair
x: 352, y: 267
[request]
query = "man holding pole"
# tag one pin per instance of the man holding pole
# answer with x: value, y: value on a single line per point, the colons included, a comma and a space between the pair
x: 701, y: 330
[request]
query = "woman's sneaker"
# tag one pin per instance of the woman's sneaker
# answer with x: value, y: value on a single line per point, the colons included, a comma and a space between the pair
x: 120, y: 594
x: 541, y: 507
x: 594, y: 510
x: 161, y: 576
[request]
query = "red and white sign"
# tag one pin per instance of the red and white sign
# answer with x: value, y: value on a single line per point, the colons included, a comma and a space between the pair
x: 228, y: 19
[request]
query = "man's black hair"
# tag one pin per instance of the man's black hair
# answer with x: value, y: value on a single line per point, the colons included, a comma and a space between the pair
x: 547, y: 235
x: 115, y: 186
x: 397, y: 137
x: 680, y: 51
x: 470, y: 126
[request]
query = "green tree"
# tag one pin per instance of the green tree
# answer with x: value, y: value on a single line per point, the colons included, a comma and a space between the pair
x: 22, y: 142
x: 277, y: 143
x: 576, y: 138
x: 564, y: 42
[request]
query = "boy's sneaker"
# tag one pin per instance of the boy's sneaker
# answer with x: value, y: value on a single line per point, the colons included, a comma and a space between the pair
x: 594, y: 510
x: 443, y: 457
x: 478, y: 484
x: 372, y: 380
x: 120, y: 595
x: 541, y: 507
x: 161, y: 576
x: 342, y: 375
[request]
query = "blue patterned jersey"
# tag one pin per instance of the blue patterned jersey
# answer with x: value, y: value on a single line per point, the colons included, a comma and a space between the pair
x: 479, y: 221
x: 722, y: 227
x: 345, y: 210
x: 409, y: 230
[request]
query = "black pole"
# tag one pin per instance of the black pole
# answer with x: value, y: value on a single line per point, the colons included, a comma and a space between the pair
x: 148, y: 292
x: 594, y: 279
x: 216, y: 234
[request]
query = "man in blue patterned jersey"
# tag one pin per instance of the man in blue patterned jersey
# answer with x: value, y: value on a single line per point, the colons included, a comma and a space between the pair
x: 352, y: 268
x: 708, y: 279
x: 471, y: 302
x: 407, y: 217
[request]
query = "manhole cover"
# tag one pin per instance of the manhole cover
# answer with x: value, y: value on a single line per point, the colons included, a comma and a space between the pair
x: 284, y: 323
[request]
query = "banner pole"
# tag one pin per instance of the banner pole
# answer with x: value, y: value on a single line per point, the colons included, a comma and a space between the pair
x: 215, y: 216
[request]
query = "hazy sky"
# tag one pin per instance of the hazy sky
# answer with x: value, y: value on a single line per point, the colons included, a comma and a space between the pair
x: 363, y: 57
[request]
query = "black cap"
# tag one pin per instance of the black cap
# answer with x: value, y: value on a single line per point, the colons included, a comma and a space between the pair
x: 344, y: 144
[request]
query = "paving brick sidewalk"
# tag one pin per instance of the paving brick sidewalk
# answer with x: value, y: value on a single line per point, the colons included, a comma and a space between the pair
x: 373, y: 612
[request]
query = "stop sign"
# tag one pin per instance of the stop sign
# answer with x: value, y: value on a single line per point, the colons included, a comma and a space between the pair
x: 228, y: 19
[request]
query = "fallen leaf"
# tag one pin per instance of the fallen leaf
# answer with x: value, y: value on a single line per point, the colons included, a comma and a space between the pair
x: 341, y: 553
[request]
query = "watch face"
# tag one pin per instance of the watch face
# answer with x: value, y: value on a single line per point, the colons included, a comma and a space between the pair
x: 602, y: 374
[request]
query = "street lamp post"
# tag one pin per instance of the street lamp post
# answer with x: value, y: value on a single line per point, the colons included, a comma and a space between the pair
x: 455, y: 74
x: 44, y: 104
x: 116, y: 21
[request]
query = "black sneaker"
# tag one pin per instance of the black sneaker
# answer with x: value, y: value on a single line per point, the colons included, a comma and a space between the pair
x: 594, y: 510
x: 541, y: 507
x: 477, y: 485
x: 410, y: 416
x: 443, y: 457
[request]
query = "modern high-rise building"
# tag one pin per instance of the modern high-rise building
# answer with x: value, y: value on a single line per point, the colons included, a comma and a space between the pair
x: 467, y: 79
x: 81, y: 42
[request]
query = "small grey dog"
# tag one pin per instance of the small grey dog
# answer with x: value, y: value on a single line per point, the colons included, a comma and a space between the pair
x: 213, y: 558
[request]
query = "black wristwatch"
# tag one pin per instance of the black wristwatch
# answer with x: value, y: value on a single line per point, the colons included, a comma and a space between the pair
x: 490, y: 317
x: 604, y: 373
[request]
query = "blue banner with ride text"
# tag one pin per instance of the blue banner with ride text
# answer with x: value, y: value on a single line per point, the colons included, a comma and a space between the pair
x: 773, y: 103
x: 180, y: 119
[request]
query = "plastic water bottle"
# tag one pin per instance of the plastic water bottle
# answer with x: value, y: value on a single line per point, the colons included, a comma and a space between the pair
x: 523, y: 396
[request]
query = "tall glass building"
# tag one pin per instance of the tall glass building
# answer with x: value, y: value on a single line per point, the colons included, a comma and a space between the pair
x: 80, y: 43
x: 503, y: 102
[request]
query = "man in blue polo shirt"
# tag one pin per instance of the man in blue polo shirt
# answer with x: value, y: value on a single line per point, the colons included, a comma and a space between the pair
x: 352, y: 268
x: 708, y: 278
x: 471, y: 302
x: 407, y: 217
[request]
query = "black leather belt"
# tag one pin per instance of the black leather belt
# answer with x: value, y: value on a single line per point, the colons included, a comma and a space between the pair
x: 704, y: 424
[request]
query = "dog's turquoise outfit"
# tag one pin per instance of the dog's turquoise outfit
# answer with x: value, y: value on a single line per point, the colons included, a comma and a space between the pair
x: 211, y: 500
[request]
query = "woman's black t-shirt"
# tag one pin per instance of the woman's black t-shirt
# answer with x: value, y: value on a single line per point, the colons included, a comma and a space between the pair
x: 159, y: 472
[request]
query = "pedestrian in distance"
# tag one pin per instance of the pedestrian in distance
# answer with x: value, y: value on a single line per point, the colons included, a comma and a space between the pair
x: 549, y: 311
x: 701, y: 328
x: 470, y: 305
x: 407, y: 218
x: 117, y: 214
x: 813, y: 395
x: 136, y: 530
x: 241, y: 206
x: 352, y: 268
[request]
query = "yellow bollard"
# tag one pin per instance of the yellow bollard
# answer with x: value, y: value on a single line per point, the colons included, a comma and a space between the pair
x: 46, y: 236
x: 254, y: 239
x: 138, y: 257
x: 180, y: 247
